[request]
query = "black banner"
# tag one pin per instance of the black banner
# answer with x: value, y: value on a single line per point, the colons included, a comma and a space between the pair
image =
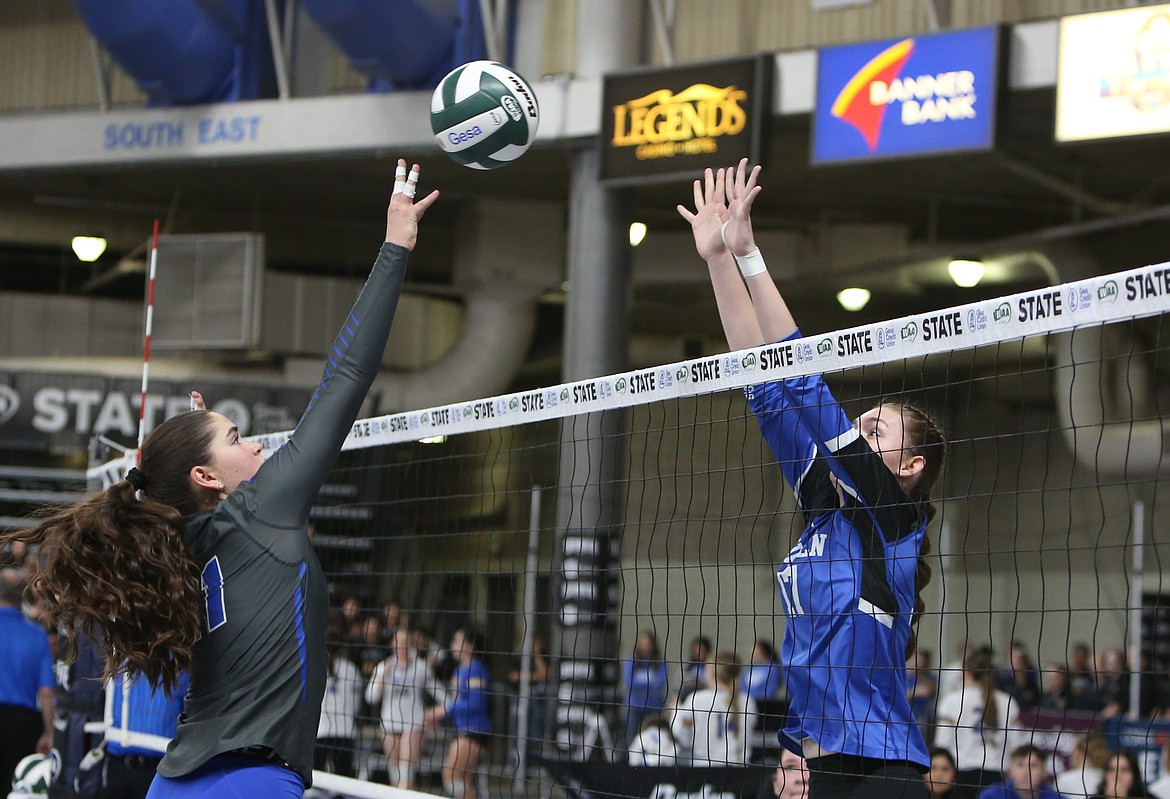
x: 60, y: 413
x: 616, y: 781
x: 670, y: 124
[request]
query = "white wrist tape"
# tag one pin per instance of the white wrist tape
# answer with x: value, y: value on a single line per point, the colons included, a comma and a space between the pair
x: 751, y: 264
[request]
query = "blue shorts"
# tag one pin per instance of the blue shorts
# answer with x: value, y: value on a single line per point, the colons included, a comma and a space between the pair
x: 228, y: 777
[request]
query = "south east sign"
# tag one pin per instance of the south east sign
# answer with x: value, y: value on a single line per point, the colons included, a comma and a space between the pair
x: 922, y: 95
x: 663, y: 125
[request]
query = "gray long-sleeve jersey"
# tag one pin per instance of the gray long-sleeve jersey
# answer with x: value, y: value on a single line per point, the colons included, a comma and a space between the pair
x: 258, y: 673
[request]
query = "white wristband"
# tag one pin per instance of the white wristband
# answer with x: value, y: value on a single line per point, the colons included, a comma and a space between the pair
x: 751, y: 264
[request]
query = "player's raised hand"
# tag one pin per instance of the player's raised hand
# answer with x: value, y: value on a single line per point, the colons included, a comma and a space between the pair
x: 742, y: 190
x: 709, y: 215
x: 404, y: 213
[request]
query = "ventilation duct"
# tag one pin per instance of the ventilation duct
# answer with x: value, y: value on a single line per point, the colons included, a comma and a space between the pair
x: 186, y: 52
x: 1102, y: 403
x: 405, y: 44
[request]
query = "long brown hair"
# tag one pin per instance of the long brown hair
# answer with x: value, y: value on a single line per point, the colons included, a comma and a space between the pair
x: 922, y: 435
x: 978, y: 665
x: 119, y: 564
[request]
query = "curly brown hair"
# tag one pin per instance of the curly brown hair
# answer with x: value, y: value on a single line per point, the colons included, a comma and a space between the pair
x: 119, y: 565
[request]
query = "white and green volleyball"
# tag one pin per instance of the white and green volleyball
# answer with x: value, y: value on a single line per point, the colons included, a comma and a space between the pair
x: 33, y: 776
x: 484, y: 115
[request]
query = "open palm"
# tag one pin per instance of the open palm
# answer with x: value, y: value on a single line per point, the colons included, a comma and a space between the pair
x: 709, y: 215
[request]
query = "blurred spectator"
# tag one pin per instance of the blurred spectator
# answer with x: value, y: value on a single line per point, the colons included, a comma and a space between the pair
x: 940, y: 780
x: 1082, y: 679
x: 1112, y: 682
x: 950, y: 677
x: 1027, y: 778
x: 1057, y: 693
x: 790, y: 779
x: 369, y: 652
x: 399, y: 688
x: 922, y: 691
x: 973, y: 724
x: 539, y: 695
x: 390, y: 622
x: 130, y: 769
x: 1086, y: 766
x: 645, y: 679
x: 716, y: 723
x: 762, y: 678
x: 1020, y: 679
x: 653, y: 745
x: 13, y: 554
x: 27, y: 681
x: 692, y: 675
x: 337, y: 728
x: 1123, y: 778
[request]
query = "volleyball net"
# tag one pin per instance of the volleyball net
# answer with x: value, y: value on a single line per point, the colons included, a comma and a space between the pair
x: 561, y: 527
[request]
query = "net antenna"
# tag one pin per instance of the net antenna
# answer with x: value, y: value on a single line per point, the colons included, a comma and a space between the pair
x: 146, y: 342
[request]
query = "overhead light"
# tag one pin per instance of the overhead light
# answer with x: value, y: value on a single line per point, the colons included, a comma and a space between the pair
x: 432, y: 440
x: 966, y: 272
x: 88, y: 248
x: 853, y: 299
x: 637, y: 233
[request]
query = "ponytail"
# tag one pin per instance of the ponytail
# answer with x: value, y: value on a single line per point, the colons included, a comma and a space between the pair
x: 923, y: 436
x: 116, y: 565
x: 118, y: 570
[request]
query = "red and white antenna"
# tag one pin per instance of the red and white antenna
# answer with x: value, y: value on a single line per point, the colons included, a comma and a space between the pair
x: 146, y: 345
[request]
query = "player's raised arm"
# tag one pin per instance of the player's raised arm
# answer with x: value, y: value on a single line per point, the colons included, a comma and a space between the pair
x: 731, y: 297
x: 772, y: 314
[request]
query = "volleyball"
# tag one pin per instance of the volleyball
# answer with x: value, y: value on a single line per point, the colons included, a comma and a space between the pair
x: 484, y: 115
x: 33, y: 776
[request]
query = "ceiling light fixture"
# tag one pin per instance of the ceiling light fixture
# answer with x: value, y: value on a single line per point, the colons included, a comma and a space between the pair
x: 637, y: 233
x: 88, y: 248
x: 966, y: 272
x: 853, y: 299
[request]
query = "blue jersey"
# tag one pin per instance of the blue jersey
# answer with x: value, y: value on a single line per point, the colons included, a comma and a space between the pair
x: 150, y: 711
x: 646, y: 683
x: 761, y: 680
x: 468, y: 711
x: 26, y: 664
x: 848, y: 586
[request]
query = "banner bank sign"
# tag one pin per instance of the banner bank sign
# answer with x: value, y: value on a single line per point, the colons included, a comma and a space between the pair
x: 907, y: 97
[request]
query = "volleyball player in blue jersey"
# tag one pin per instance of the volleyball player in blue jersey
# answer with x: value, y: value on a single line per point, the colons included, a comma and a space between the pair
x: 468, y: 712
x: 216, y: 513
x: 851, y: 585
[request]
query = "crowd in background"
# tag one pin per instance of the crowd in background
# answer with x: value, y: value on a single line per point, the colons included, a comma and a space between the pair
x: 401, y: 706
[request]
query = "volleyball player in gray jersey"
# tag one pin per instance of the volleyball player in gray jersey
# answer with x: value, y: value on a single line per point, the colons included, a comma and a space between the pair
x: 213, y: 570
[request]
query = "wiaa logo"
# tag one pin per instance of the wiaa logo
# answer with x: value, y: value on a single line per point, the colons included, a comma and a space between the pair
x: 512, y: 107
x: 9, y: 403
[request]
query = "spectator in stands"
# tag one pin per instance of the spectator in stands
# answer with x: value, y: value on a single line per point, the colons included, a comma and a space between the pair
x: 1086, y: 766
x: 692, y: 676
x: 390, y: 622
x: 950, y: 677
x: 337, y: 729
x: 922, y: 691
x: 467, y: 712
x: 974, y: 724
x: 654, y: 745
x: 716, y: 723
x: 369, y: 650
x: 129, y: 769
x: 539, y: 683
x: 1027, y: 778
x: 399, y: 687
x: 1123, y: 778
x: 1020, y: 679
x: 27, y: 681
x: 790, y: 779
x: 1082, y: 679
x: 1112, y: 682
x: 644, y: 678
x: 762, y: 678
x: 940, y: 780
